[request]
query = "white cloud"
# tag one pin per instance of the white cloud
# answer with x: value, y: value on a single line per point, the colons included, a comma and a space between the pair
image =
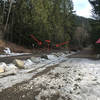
x: 82, y: 8
x: 86, y: 12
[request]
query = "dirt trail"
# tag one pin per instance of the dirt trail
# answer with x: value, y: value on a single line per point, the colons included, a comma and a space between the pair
x: 85, y: 53
x: 10, y: 59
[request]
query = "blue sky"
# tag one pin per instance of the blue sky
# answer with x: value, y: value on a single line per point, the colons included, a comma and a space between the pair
x: 82, y: 8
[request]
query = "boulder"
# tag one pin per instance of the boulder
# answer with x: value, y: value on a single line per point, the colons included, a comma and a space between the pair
x: 6, y: 70
x: 7, y: 67
x: 52, y: 57
x: 1, y: 70
x: 35, y: 59
x: 2, y: 67
x: 28, y: 63
x: 19, y: 63
x: 10, y: 67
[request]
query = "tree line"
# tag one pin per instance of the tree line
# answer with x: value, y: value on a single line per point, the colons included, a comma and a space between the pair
x: 45, y: 19
x: 95, y: 32
x: 52, y: 20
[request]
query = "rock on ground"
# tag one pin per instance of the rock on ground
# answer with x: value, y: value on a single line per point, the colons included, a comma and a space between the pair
x: 19, y: 63
x: 1, y: 70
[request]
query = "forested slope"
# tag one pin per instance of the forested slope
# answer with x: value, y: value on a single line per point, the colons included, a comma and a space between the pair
x: 52, y: 20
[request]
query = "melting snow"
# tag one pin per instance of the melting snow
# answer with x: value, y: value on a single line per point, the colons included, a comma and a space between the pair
x: 9, y: 53
x: 13, y: 54
x: 51, y: 57
x: 77, y: 79
x: 73, y: 78
x: 31, y: 68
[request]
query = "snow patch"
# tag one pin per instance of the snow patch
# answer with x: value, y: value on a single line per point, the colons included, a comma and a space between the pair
x: 7, y: 51
x: 31, y: 68
x: 77, y: 79
x: 13, y: 54
x: 51, y: 57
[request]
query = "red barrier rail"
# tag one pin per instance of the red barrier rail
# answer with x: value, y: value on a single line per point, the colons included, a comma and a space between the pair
x: 48, y: 42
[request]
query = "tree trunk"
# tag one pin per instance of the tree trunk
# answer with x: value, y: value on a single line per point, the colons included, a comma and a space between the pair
x: 8, y: 15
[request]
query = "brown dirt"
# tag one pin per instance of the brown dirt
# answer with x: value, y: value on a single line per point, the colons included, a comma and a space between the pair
x: 13, y: 47
x: 8, y: 60
x: 86, y: 53
x: 21, y: 49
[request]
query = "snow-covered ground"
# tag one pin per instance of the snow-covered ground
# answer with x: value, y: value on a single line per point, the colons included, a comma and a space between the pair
x: 71, y: 79
x: 74, y: 79
x: 13, y: 54
x: 13, y: 75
